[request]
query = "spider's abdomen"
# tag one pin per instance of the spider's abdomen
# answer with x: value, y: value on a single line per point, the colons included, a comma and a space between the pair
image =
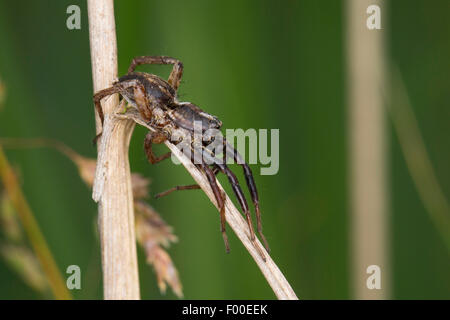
x: 186, y: 115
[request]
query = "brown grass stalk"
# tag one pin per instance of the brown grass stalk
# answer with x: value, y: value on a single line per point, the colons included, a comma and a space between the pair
x: 115, y: 198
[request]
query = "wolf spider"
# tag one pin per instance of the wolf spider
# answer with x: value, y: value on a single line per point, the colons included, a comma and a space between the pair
x: 156, y: 100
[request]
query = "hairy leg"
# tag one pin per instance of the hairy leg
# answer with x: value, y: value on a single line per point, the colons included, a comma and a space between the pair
x: 177, y: 188
x: 157, y: 138
x: 99, y: 95
x: 220, y: 201
x: 141, y: 100
x: 239, y: 195
x: 230, y: 151
x: 175, y: 75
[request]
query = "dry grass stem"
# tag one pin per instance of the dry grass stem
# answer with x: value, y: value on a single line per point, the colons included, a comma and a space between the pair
x: 114, y: 194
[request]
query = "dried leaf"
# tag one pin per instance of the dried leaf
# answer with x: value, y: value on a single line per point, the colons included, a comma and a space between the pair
x: 164, y: 268
x: 152, y: 225
x: 139, y: 185
x: 152, y: 232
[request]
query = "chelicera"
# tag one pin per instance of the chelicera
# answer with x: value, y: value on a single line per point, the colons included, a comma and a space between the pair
x: 156, y: 100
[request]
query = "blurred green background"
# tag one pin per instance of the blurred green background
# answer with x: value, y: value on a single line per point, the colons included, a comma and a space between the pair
x: 254, y: 64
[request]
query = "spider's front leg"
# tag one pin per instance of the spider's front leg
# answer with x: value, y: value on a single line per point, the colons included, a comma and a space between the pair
x: 175, y: 75
x: 98, y: 96
x: 139, y: 97
x: 158, y: 138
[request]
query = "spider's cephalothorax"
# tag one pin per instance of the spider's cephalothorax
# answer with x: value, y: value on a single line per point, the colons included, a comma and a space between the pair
x: 156, y: 100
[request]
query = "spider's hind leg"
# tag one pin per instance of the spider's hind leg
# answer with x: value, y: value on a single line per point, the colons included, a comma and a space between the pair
x: 229, y: 150
x: 220, y: 201
x: 239, y: 195
x: 243, y: 203
x: 179, y: 188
